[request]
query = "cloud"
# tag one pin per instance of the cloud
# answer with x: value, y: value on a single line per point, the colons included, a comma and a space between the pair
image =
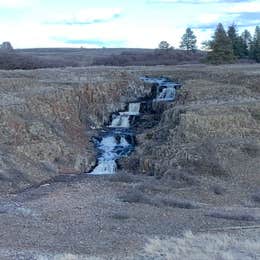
x: 197, y: 2
x: 95, y: 42
x: 89, y: 16
x: 253, y: 16
x: 253, y: 6
x: 242, y: 14
x: 244, y: 19
x: 15, y: 3
x: 247, y: 19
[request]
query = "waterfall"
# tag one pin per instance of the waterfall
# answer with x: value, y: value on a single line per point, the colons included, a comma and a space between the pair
x: 118, y: 140
x: 111, y: 148
x: 134, y: 108
x: 121, y: 120
x: 167, y: 94
x: 105, y: 167
x: 166, y: 89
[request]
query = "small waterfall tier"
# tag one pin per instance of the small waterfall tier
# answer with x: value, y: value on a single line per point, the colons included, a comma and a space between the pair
x: 112, y: 147
x: 122, y: 120
x: 163, y: 89
x: 167, y: 94
x: 134, y: 109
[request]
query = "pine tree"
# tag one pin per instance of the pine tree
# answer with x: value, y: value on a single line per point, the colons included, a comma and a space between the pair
x: 164, y: 45
x: 189, y: 40
x: 247, y: 41
x: 237, y: 42
x: 255, y: 46
x: 221, y: 47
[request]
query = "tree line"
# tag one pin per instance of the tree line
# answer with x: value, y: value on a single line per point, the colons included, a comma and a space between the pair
x: 225, y: 46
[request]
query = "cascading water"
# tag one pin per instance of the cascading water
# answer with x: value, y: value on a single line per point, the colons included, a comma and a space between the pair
x: 117, y: 140
x: 111, y: 147
x: 134, y: 109
x: 121, y: 120
x: 165, y: 88
x: 167, y: 94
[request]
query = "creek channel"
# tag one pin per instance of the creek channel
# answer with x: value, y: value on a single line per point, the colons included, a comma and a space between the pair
x: 117, y: 139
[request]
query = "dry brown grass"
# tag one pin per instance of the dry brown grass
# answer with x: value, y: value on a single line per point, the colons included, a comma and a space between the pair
x: 203, y: 247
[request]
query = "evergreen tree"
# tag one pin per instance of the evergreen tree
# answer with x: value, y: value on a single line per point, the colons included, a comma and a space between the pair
x: 221, y: 47
x: 188, y: 41
x: 164, y: 45
x: 237, y: 42
x: 247, y: 41
x: 255, y: 46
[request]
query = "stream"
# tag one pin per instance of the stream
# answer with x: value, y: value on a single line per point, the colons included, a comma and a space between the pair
x: 117, y: 140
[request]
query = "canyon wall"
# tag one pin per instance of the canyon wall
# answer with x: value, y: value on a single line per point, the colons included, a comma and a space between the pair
x: 48, y: 117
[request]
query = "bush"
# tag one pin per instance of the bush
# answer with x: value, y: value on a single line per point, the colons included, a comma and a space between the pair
x: 251, y: 149
x: 135, y: 196
x: 241, y: 214
x: 156, y: 57
x: 256, y: 197
x: 122, y: 177
x: 178, y: 203
x: 218, y: 190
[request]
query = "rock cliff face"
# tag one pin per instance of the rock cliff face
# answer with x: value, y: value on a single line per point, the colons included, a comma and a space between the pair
x: 47, y: 119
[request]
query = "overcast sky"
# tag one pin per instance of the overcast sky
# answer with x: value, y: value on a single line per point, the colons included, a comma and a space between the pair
x: 118, y: 23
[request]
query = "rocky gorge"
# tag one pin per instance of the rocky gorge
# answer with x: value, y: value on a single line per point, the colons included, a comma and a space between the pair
x: 49, y: 116
x: 194, y: 167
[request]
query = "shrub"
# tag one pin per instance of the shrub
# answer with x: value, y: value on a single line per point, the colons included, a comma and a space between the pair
x: 122, y: 177
x: 135, y: 196
x: 256, y: 197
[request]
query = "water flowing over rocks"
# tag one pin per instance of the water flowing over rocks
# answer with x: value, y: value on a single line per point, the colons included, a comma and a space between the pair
x: 119, y: 142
